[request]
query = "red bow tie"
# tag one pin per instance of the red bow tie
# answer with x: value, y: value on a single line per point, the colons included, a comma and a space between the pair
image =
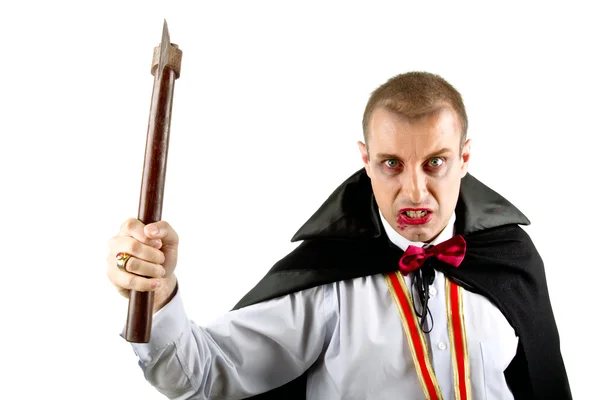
x: 452, y: 252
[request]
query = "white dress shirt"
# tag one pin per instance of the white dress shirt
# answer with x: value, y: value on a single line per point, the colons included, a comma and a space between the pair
x: 348, y: 333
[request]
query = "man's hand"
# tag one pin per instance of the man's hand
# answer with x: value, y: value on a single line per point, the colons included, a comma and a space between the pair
x: 153, y: 250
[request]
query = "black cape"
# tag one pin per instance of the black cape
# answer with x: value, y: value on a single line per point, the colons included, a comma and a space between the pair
x: 344, y: 239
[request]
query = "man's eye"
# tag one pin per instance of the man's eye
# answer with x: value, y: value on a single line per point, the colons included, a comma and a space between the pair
x: 435, y: 162
x: 392, y: 163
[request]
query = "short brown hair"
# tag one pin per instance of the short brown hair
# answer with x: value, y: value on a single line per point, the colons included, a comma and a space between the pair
x: 415, y: 94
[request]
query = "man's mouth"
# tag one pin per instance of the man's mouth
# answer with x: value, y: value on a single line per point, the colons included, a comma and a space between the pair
x: 414, y: 216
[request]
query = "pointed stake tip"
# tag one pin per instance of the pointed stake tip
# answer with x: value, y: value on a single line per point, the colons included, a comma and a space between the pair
x: 165, y: 27
x: 164, y: 48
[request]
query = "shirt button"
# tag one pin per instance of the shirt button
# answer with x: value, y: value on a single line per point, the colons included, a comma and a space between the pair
x: 432, y: 291
x: 442, y: 346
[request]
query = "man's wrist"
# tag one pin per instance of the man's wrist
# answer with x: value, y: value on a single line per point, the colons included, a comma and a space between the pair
x: 165, y: 294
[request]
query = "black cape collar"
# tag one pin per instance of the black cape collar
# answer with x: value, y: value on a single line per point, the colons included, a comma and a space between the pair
x: 351, y: 211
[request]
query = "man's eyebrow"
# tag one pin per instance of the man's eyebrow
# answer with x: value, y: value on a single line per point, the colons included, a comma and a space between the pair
x: 387, y: 156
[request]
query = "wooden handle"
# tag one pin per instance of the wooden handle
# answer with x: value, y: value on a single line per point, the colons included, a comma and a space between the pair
x: 139, y: 317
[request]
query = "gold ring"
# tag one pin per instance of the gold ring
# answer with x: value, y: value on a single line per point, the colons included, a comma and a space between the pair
x: 122, y: 259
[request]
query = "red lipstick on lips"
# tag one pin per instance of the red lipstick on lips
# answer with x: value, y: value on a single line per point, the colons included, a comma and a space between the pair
x: 406, y: 220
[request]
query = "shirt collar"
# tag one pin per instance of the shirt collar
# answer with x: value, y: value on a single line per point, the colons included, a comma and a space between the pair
x: 403, y: 243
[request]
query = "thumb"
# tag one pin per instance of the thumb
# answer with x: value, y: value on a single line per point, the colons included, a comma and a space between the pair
x: 163, y: 231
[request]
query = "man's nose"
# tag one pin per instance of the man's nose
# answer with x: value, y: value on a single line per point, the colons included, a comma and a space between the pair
x: 414, y: 186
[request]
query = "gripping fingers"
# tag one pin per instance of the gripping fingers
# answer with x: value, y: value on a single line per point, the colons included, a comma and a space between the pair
x: 144, y: 268
x: 137, y: 249
x: 126, y: 280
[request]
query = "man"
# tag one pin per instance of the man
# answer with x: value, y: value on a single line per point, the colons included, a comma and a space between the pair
x: 413, y: 280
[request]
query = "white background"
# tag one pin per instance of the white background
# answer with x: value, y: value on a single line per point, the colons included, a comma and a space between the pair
x: 266, y: 117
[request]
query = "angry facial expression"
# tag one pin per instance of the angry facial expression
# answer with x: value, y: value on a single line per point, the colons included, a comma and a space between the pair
x: 415, y: 167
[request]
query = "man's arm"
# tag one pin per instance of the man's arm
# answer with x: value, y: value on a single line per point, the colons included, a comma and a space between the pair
x: 241, y: 354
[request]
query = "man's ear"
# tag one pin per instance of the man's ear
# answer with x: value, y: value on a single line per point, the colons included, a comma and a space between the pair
x: 465, y: 157
x: 364, y: 155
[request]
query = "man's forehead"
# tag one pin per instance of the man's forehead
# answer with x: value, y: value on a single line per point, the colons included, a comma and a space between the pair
x: 393, y: 133
x: 387, y: 121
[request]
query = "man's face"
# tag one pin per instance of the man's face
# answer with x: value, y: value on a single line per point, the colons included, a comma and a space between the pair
x: 415, y: 168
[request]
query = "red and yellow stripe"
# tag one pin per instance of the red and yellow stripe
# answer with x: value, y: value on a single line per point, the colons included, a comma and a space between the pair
x: 418, y: 345
x: 414, y: 334
x: 458, y: 341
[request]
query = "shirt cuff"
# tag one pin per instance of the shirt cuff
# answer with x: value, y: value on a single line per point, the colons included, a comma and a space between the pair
x: 168, y: 325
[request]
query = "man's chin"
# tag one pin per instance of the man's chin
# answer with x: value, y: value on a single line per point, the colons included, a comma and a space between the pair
x: 416, y: 233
